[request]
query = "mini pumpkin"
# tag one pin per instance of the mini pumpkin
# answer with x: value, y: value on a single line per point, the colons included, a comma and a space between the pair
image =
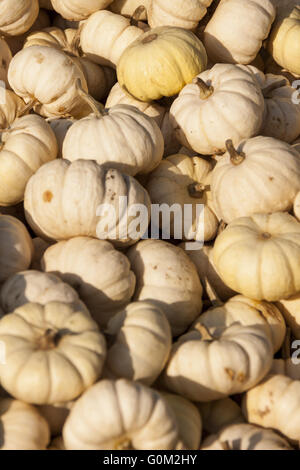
x: 100, y: 274
x: 219, y: 414
x: 58, y: 185
x: 181, y: 13
x: 257, y: 256
x: 296, y: 207
x: 17, y: 17
x: 22, y: 427
x: 76, y: 10
x: 230, y: 35
x: 6, y: 56
x: 160, y: 63
x: 140, y: 343
x: 261, y: 175
x: 53, y: 352
x: 141, y: 421
x: 166, y: 276
x: 10, y: 109
x: 222, y: 103
x: 16, y: 248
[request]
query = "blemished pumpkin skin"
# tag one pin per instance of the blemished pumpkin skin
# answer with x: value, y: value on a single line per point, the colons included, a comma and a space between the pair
x: 181, y: 13
x: 36, y: 287
x: 237, y: 30
x: 76, y: 10
x: 222, y: 361
x: 287, y: 367
x: 6, y: 56
x: 182, y: 180
x: 39, y: 248
x: 53, y: 352
x: 290, y: 309
x: 17, y: 17
x: 160, y: 63
x: 16, y: 248
x: 48, y: 76
x: 140, y: 343
x: 138, y: 148
x: 275, y: 403
x: 22, y: 427
x: 142, y: 421
x: 262, y: 175
x: 64, y: 199
x: 222, y: 103
x: 257, y: 256
x: 25, y: 146
x: 99, y: 273
x: 166, y: 276
x: 188, y: 419
x: 284, y: 41
x: 128, y: 7
x: 203, y: 260
x: 219, y: 414
x: 245, y: 437
x: 56, y: 415
x: 105, y: 36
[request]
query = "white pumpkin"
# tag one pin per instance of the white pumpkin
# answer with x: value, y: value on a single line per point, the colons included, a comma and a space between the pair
x: 137, y: 149
x: 219, y: 414
x: 49, y: 77
x: 237, y: 30
x: 296, y: 207
x: 105, y: 36
x: 39, y: 248
x: 11, y: 107
x: 76, y: 10
x: 275, y: 403
x: 17, y: 17
x: 261, y: 175
x: 184, y: 181
x: 257, y: 256
x: 55, y: 193
x: 139, y: 343
x: 22, y: 427
x: 25, y: 146
x: 222, y: 103
x: 290, y: 309
x: 125, y: 415
x: 100, y: 274
x: 245, y: 437
x: 56, y: 415
x: 181, y: 13
x: 16, y: 248
x: 165, y: 275
x: 6, y: 56
x: 36, y: 287
x: 53, y: 352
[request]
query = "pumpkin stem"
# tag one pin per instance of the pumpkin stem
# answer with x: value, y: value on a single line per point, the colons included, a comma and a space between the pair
x: 48, y: 340
x: 225, y: 445
x: 149, y: 38
x: 215, y: 300
x: 94, y: 105
x: 123, y: 444
x: 273, y: 86
x: 286, y: 347
x: 196, y: 190
x: 134, y: 20
x: 27, y: 108
x: 205, y: 90
x: 221, y: 227
x: 236, y: 157
x: 206, y: 336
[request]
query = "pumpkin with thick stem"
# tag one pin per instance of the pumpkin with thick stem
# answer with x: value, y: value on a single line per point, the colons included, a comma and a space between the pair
x: 76, y: 10
x: 141, y: 421
x: 181, y: 13
x: 222, y: 103
x: 261, y: 175
x: 53, y: 352
x: 257, y: 256
x: 16, y: 17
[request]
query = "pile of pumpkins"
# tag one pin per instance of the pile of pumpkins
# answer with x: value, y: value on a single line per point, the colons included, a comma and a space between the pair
x: 125, y: 342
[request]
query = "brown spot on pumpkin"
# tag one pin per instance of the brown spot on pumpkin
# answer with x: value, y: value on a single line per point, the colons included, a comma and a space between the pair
x: 263, y: 413
x: 155, y: 267
x: 39, y: 58
x: 241, y: 377
x: 61, y: 109
x: 271, y: 178
x: 47, y: 196
x: 230, y: 373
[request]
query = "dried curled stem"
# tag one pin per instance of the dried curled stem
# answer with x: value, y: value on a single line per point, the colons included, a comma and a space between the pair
x: 196, y: 190
x: 236, y: 157
x: 205, y: 90
x: 136, y: 17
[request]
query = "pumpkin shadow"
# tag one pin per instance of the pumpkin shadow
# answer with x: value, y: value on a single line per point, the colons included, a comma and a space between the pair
x: 221, y: 50
x: 5, y: 405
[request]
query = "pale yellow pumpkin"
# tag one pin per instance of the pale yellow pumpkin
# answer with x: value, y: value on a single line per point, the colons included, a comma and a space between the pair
x: 262, y: 175
x: 219, y: 414
x: 182, y: 13
x: 160, y: 63
x: 245, y: 437
x: 11, y: 107
x: 100, y: 274
x: 76, y: 10
x: 105, y: 35
x: 6, y: 56
x: 182, y: 181
x: 56, y: 415
x: 222, y: 103
x: 290, y: 309
x: 53, y: 352
x: 140, y: 343
x: 257, y: 256
x: 22, y: 427
x: 25, y: 146
x: 284, y: 41
x: 275, y: 403
x: 65, y: 200
x: 128, y: 7
x: 137, y: 149
x: 142, y: 420
x: 16, y: 248
x: 237, y: 30
x: 17, y: 17
x: 166, y: 276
